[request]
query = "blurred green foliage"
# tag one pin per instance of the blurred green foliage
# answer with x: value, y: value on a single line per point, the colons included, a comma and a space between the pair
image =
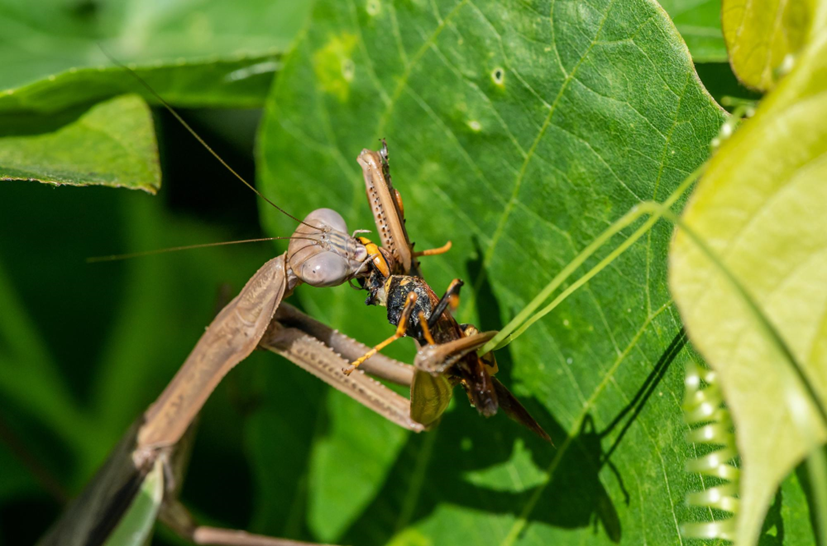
x: 85, y: 348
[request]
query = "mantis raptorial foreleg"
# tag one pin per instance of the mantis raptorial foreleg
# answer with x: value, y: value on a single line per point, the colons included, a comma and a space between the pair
x: 320, y: 253
x: 349, y: 349
x: 313, y: 355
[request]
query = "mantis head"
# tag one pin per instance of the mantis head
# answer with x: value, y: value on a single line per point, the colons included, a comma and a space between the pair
x: 321, y: 253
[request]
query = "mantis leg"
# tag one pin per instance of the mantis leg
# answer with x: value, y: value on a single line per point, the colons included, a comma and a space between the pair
x: 178, y: 518
x: 348, y: 348
x: 311, y: 354
x: 436, y: 359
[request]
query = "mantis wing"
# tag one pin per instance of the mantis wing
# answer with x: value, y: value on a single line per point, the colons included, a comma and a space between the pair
x: 96, y: 512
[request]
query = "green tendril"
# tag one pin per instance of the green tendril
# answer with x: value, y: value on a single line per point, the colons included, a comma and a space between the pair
x: 530, y: 314
x: 706, y: 414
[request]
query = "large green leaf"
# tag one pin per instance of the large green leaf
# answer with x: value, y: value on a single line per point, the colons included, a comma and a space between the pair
x: 699, y: 22
x: 764, y: 36
x: 761, y: 209
x: 519, y: 130
x: 195, y: 54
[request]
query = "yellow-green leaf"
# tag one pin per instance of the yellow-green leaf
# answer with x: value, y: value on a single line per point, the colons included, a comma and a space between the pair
x: 761, y: 35
x: 699, y: 23
x: 109, y: 144
x: 762, y: 211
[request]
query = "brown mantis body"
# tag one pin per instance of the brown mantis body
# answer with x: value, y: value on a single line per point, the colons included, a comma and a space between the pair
x: 321, y: 254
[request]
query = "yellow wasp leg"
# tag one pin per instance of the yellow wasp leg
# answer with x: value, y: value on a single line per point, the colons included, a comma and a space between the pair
x: 400, y: 332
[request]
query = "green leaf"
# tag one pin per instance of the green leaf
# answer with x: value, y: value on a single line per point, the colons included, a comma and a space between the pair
x: 207, y: 53
x: 699, y: 23
x: 518, y: 130
x: 219, y: 83
x: 762, y: 37
x: 109, y: 144
x: 761, y: 209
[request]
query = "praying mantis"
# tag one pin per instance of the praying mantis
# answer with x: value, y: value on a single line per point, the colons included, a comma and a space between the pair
x: 321, y: 254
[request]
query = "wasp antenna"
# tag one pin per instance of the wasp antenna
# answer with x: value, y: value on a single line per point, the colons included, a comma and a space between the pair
x: 196, y: 136
x: 118, y: 257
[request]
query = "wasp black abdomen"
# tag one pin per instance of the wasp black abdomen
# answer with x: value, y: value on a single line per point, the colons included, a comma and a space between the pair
x: 398, y: 287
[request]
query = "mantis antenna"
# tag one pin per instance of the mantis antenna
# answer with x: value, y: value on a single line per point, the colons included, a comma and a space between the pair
x: 195, y: 135
x: 116, y: 257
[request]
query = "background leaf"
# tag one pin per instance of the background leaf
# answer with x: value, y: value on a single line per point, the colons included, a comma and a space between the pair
x: 110, y: 144
x: 205, y: 54
x: 209, y: 54
x: 519, y: 131
x: 699, y: 22
x: 223, y: 54
x: 761, y: 208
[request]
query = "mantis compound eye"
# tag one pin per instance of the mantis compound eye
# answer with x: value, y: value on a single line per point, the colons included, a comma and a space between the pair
x: 324, y: 269
x: 328, y: 217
